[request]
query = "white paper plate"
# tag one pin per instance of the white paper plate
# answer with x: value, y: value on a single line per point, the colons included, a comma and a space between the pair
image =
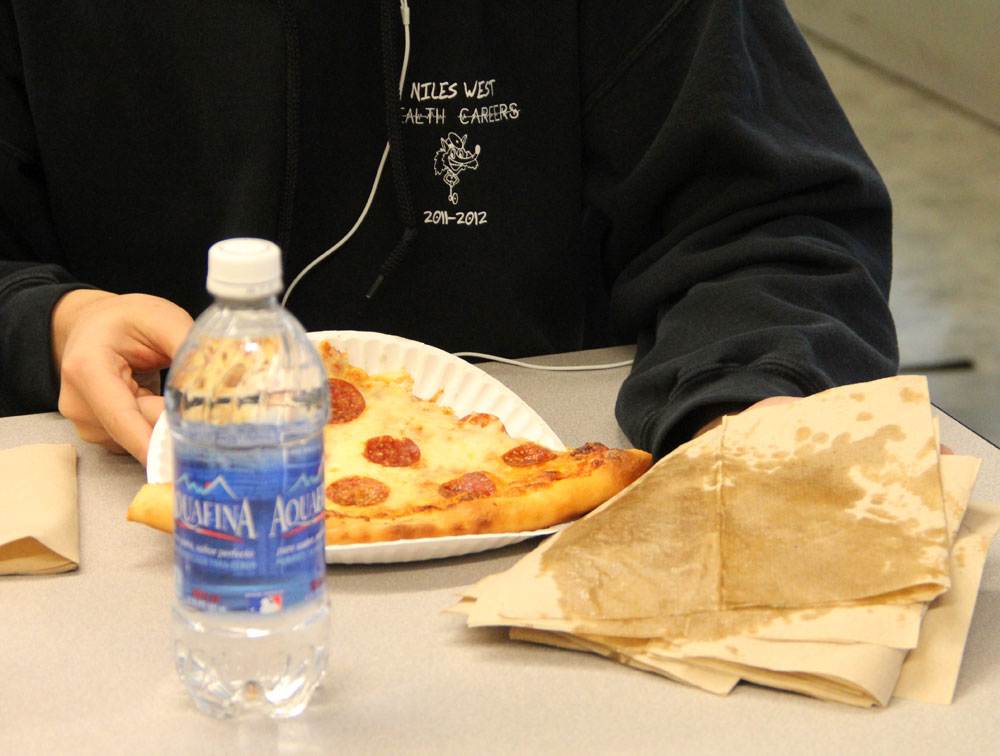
x: 420, y: 549
x: 464, y: 388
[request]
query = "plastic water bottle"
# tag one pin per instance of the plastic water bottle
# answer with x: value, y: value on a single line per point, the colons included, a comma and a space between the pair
x: 247, y: 399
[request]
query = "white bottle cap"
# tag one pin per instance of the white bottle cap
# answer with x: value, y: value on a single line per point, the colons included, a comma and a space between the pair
x: 244, y: 268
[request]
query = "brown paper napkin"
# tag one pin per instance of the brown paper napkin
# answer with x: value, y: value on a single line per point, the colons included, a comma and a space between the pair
x: 930, y: 672
x: 39, y: 526
x: 840, y: 510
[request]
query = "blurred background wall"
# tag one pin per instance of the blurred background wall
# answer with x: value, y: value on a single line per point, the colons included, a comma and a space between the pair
x: 950, y: 47
x: 920, y: 82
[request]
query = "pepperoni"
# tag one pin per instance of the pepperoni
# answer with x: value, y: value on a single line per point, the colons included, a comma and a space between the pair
x: 234, y: 375
x: 346, y: 402
x: 483, y: 420
x: 357, y: 491
x: 389, y: 451
x: 473, y: 485
x: 528, y: 454
x: 594, y: 447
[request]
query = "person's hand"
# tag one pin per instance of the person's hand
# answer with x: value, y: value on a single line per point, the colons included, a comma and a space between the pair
x: 109, y: 350
x: 770, y: 401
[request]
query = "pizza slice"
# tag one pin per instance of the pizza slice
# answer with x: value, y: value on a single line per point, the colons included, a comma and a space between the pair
x: 398, y: 466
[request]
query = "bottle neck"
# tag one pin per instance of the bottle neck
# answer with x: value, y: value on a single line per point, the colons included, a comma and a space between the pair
x: 267, y: 302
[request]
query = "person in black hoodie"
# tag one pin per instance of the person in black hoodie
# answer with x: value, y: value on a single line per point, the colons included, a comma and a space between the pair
x: 557, y: 176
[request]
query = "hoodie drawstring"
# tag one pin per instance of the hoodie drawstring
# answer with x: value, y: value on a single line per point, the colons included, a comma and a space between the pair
x: 293, y: 85
x: 390, y: 10
x: 394, y: 79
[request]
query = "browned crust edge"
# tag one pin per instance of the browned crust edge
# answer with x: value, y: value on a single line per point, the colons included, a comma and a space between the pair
x: 549, y: 504
x: 153, y: 505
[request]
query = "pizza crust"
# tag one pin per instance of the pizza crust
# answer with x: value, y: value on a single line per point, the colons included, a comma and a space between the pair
x: 540, y: 506
x: 153, y: 506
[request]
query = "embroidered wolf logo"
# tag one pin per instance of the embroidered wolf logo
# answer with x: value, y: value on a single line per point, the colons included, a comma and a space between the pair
x: 452, y: 159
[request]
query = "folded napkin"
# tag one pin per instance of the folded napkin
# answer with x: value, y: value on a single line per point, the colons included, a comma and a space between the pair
x: 39, y: 527
x: 820, y: 547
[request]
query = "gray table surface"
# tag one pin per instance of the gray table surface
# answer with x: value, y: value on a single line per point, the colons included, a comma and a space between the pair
x: 85, y: 662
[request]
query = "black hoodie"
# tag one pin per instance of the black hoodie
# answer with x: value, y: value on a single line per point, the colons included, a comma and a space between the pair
x: 564, y: 174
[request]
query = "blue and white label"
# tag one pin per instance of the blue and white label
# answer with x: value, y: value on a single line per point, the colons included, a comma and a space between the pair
x: 249, y: 531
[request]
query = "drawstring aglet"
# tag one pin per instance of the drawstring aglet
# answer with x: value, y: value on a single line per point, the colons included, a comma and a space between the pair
x: 378, y: 282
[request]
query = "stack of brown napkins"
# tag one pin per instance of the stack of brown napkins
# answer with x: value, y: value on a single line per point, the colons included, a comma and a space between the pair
x: 822, y: 547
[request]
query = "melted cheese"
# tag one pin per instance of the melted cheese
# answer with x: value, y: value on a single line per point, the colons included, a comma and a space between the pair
x: 448, y: 447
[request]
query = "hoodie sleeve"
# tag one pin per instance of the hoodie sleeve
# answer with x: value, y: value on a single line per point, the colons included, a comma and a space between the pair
x: 747, y: 236
x: 31, y: 281
x: 28, y: 382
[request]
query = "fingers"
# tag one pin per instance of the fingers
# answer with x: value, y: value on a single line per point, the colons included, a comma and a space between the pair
x: 707, y: 427
x: 773, y: 401
x: 770, y: 401
x: 147, y: 383
x: 93, y: 428
x: 151, y: 408
x: 110, y: 361
x: 107, y: 410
